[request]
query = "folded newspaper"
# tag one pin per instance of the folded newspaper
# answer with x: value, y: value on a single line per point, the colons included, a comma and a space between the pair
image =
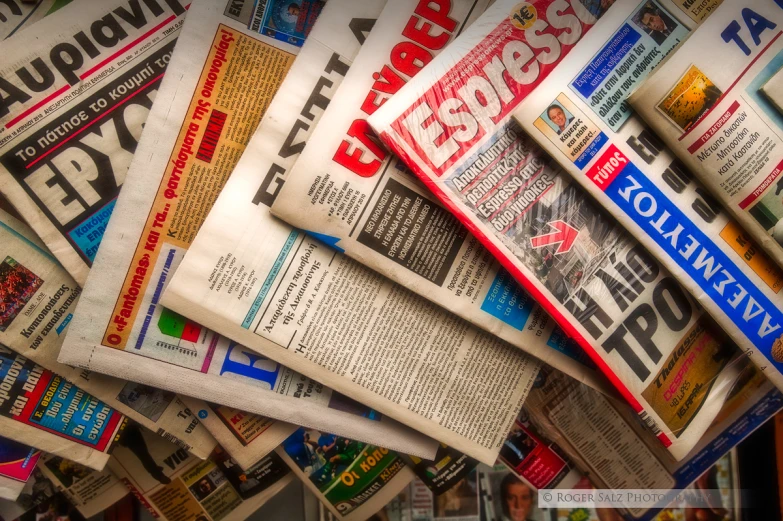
x: 198, y: 128
x: 90, y: 491
x: 319, y: 312
x: 580, y: 116
x: 452, y: 126
x: 38, y: 299
x: 174, y: 485
x: 710, y: 103
x: 406, y: 237
x: 353, y: 480
x: 17, y: 462
x: 75, y: 91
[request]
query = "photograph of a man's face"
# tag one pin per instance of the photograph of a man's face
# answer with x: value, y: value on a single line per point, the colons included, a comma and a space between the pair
x: 557, y: 117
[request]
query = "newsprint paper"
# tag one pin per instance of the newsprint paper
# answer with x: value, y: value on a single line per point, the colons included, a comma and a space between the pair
x: 38, y: 299
x: 15, y: 15
x: 75, y: 90
x: 205, y: 114
x: 543, y: 227
x: 353, y: 480
x: 17, y: 462
x: 708, y: 104
x: 173, y: 485
x: 433, y: 255
x: 317, y: 311
x: 608, y: 150
x: 90, y: 491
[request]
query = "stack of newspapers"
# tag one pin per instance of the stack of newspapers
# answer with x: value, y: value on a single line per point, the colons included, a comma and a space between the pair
x: 403, y: 251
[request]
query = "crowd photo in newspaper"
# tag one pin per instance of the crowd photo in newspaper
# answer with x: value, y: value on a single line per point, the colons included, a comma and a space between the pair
x: 398, y: 260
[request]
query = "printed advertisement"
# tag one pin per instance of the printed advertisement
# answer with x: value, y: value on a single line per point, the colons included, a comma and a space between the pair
x: 602, y: 288
x: 67, y: 139
x: 353, y: 479
x: 196, y: 133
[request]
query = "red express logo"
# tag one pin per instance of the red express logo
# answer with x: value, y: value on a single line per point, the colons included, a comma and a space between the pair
x: 491, y: 80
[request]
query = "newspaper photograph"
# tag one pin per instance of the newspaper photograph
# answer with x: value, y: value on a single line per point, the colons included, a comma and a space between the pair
x: 352, y: 479
x: 580, y: 116
x: 409, y: 238
x: 17, y: 462
x: 303, y: 298
x: 39, y: 298
x: 601, y: 287
x: 76, y: 90
x: 196, y: 132
x: 244, y: 436
x: 173, y: 485
x: 710, y: 103
x: 90, y: 491
x: 16, y: 15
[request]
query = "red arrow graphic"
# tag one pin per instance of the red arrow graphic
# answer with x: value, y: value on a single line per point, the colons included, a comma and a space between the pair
x: 565, y: 235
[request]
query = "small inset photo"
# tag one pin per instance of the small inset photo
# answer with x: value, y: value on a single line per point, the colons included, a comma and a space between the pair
x: 17, y: 287
x: 654, y: 21
x: 690, y: 99
x: 557, y: 117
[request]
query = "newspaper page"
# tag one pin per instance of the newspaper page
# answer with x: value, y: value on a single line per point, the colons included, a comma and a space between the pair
x: 246, y: 437
x: 38, y: 302
x: 17, y: 462
x: 606, y: 441
x: 602, y: 287
x: 708, y: 104
x: 76, y: 90
x: 580, y: 116
x: 16, y: 15
x: 347, y: 331
x: 352, y: 479
x: 406, y: 236
x: 174, y: 485
x: 90, y: 491
x: 196, y: 132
